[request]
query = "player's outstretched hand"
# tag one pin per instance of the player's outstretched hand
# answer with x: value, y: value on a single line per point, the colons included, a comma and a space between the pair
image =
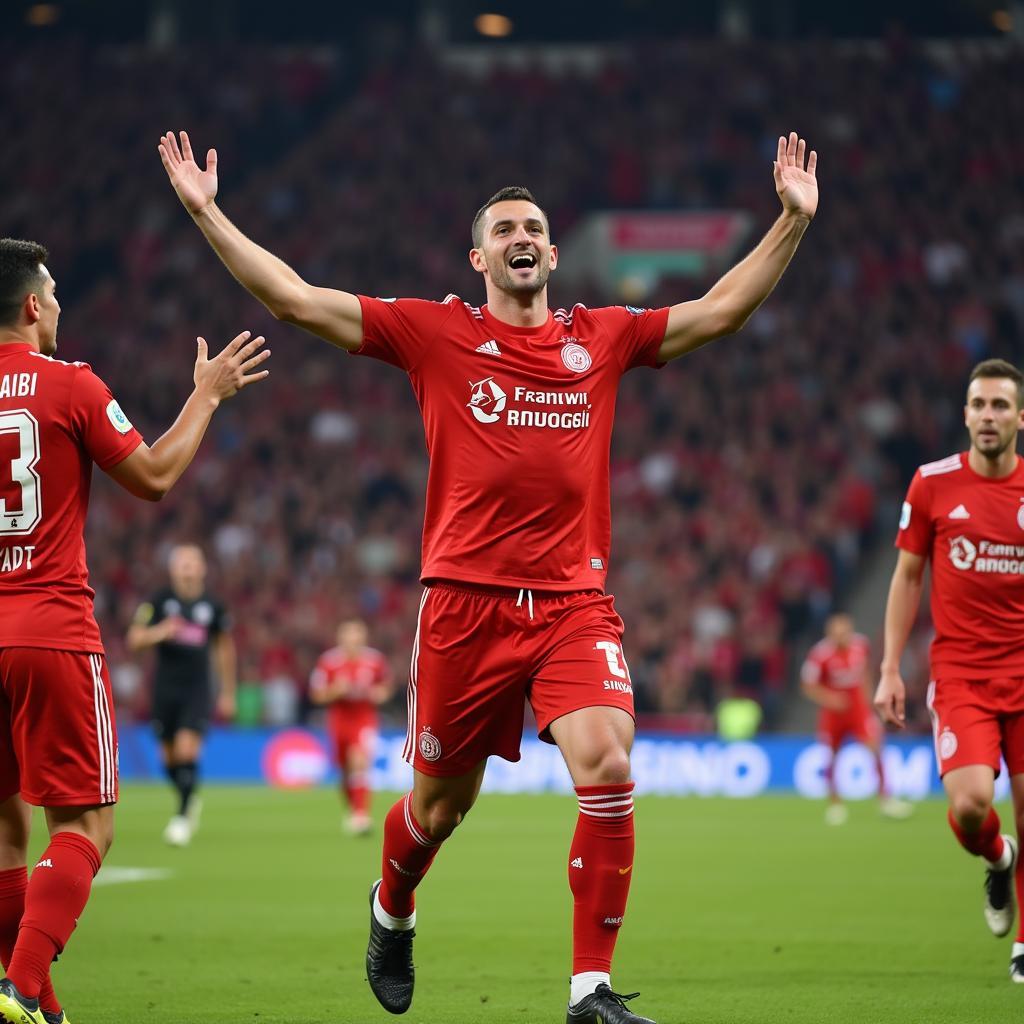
x: 195, y: 188
x: 795, y: 181
x: 233, y: 369
x: 891, y: 700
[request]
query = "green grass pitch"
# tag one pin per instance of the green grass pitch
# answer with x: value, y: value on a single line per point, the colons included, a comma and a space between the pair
x: 741, y: 911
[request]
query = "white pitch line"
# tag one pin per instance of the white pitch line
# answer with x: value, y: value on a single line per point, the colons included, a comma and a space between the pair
x: 122, y: 876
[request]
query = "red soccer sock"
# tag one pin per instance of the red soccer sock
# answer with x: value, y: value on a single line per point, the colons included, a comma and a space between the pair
x: 359, y: 794
x: 408, y: 852
x: 54, y: 900
x: 1019, y: 880
x: 13, y: 884
x: 986, y: 842
x: 600, y: 869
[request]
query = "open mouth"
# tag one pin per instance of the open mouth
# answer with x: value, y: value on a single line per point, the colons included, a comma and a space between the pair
x: 523, y: 261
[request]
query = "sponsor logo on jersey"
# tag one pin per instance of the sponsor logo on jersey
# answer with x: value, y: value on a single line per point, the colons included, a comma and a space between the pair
x: 961, y: 513
x: 615, y: 922
x: 45, y: 863
x: 625, y: 871
x: 987, y: 557
x: 430, y: 746
x: 576, y: 357
x: 488, y: 401
x: 947, y: 744
x: 1020, y: 515
x: 120, y: 422
x: 636, y: 310
x: 489, y: 348
x: 597, y: 563
x: 905, y: 515
x: 576, y: 862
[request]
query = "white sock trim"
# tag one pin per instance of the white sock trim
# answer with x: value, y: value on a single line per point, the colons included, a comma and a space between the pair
x: 396, y: 924
x: 583, y: 985
x: 1018, y: 950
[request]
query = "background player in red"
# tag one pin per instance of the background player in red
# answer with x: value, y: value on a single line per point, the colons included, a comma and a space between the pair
x: 965, y: 514
x: 190, y: 628
x: 58, y: 740
x: 836, y: 676
x: 517, y: 403
x: 351, y: 680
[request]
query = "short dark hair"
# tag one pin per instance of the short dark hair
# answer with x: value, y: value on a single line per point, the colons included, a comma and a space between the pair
x: 1001, y: 369
x: 501, y: 196
x: 19, y: 275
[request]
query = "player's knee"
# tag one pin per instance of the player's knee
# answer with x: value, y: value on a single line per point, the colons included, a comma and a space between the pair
x: 608, y: 767
x: 442, y: 818
x: 970, y: 808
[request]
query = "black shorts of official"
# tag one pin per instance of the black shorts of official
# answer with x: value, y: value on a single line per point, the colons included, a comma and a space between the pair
x: 181, y: 707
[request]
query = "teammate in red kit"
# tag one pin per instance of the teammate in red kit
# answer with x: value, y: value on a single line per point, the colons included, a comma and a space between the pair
x: 58, y: 741
x: 517, y: 404
x: 965, y: 513
x: 836, y: 676
x: 351, y: 681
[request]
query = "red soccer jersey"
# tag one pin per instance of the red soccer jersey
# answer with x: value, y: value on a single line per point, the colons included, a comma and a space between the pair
x: 368, y: 669
x: 56, y: 420
x: 972, y: 529
x: 518, y: 425
x: 838, y: 668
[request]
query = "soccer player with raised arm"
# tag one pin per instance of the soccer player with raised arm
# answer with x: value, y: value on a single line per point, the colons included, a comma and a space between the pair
x: 58, y: 739
x: 351, y: 680
x: 965, y: 514
x: 517, y: 403
x: 835, y: 675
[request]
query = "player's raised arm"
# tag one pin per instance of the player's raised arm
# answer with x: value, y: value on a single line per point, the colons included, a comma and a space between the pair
x: 900, y: 612
x: 151, y: 472
x: 729, y: 303
x: 333, y: 315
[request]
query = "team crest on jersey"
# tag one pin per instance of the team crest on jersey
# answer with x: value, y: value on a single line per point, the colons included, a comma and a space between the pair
x: 486, y: 400
x: 1020, y: 514
x: 947, y: 744
x: 962, y: 552
x: 120, y: 422
x: 203, y: 613
x: 430, y: 746
x: 575, y: 356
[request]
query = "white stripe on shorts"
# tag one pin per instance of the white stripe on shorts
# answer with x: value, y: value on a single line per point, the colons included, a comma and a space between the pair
x: 104, y: 731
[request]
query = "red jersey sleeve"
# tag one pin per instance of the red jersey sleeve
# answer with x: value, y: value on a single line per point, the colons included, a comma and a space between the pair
x: 636, y: 334
x: 916, y: 529
x: 399, y: 331
x: 96, y: 418
x: 812, y: 669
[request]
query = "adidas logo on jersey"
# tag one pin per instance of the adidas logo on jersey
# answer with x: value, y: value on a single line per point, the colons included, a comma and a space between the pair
x: 490, y: 347
x: 45, y: 863
x: 959, y: 513
x: 576, y: 862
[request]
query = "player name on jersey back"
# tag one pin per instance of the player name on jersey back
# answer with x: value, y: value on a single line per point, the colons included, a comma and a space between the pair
x: 56, y: 419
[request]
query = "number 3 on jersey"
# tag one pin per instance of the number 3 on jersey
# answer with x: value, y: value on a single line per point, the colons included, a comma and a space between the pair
x: 23, y: 517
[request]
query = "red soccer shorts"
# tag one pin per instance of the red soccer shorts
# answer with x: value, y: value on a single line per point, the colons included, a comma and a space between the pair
x: 352, y: 729
x: 856, y: 722
x: 58, y: 740
x: 973, y: 720
x: 479, y: 651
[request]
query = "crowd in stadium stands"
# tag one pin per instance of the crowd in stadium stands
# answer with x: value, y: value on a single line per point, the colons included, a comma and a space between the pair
x: 747, y: 480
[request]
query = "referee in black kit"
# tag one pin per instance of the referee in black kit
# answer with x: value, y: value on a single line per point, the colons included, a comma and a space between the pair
x: 187, y: 626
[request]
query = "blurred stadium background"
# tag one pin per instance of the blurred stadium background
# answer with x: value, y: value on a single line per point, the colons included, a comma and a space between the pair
x: 755, y: 484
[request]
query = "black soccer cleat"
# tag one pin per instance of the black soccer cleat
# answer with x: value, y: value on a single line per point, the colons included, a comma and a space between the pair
x: 999, y: 901
x: 603, y: 1006
x: 16, y: 1008
x: 389, y: 967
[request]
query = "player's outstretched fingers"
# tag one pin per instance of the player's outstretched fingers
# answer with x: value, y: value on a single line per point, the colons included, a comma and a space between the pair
x: 172, y: 145
x: 791, y: 148
x: 812, y: 163
x: 246, y: 352
x: 801, y: 148
x: 186, y: 146
x: 780, y: 156
x: 236, y: 343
